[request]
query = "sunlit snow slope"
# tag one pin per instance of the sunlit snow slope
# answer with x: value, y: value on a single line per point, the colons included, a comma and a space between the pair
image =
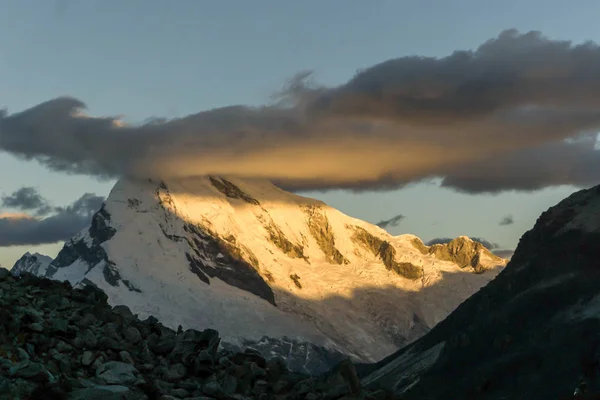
x: 285, y: 274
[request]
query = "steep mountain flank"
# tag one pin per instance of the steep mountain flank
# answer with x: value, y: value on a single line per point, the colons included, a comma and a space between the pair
x: 530, y: 333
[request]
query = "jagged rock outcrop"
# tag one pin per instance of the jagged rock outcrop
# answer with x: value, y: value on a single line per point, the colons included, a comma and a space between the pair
x: 462, y: 251
x: 62, y: 343
x: 532, y: 332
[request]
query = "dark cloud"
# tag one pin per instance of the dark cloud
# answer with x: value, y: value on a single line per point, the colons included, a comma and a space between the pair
x: 520, y: 112
x: 26, y: 199
x: 507, y: 220
x: 443, y: 240
x: 22, y: 229
x: 394, y: 221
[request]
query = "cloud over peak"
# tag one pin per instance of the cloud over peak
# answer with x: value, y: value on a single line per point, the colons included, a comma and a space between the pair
x: 520, y: 112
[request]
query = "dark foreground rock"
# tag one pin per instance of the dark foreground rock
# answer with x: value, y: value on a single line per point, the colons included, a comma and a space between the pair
x: 62, y: 343
x: 532, y: 333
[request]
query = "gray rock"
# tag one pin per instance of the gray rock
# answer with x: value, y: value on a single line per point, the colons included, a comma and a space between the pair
x: 200, y: 398
x: 86, y: 321
x: 202, y: 364
x: 59, y: 326
x: 212, y: 388
x: 126, y: 357
x: 4, y: 274
x: 163, y: 346
x: 108, y: 343
x: 190, y: 386
x: 87, y: 358
x: 100, y: 393
x: 98, y: 362
x: 36, y: 327
x: 229, y: 384
x: 63, y: 347
x: 22, y: 354
x: 86, y: 340
x: 124, y: 312
x: 32, y: 370
x: 63, y: 361
x: 175, y: 373
x: 180, y: 393
x: 132, y: 335
x: 113, y: 388
x: 260, y: 387
x: 117, y: 373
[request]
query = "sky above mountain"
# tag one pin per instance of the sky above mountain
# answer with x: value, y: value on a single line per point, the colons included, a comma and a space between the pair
x: 427, y: 117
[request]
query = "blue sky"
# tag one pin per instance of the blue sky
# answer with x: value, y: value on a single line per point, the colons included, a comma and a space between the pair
x: 144, y: 58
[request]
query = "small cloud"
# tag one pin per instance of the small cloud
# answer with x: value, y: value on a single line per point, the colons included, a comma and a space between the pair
x: 26, y: 199
x: 394, y: 221
x: 507, y: 220
x: 18, y: 229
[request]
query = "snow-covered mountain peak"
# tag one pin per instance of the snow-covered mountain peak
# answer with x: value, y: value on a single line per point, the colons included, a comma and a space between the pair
x: 253, y: 261
x: 36, y: 264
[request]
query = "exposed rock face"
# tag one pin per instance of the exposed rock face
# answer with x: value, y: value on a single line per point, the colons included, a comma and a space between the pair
x: 62, y: 343
x: 321, y: 231
x: 230, y: 190
x: 36, y: 264
x: 464, y: 252
x: 530, y: 333
x: 387, y: 254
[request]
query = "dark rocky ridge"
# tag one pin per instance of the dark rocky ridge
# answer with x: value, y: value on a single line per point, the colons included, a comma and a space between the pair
x: 62, y: 343
x: 532, y: 332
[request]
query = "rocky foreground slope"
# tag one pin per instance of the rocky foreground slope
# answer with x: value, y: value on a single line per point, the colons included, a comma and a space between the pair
x: 62, y: 343
x: 269, y: 269
x: 531, y: 333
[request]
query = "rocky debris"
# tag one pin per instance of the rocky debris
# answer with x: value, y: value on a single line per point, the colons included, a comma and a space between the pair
x: 57, y: 342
